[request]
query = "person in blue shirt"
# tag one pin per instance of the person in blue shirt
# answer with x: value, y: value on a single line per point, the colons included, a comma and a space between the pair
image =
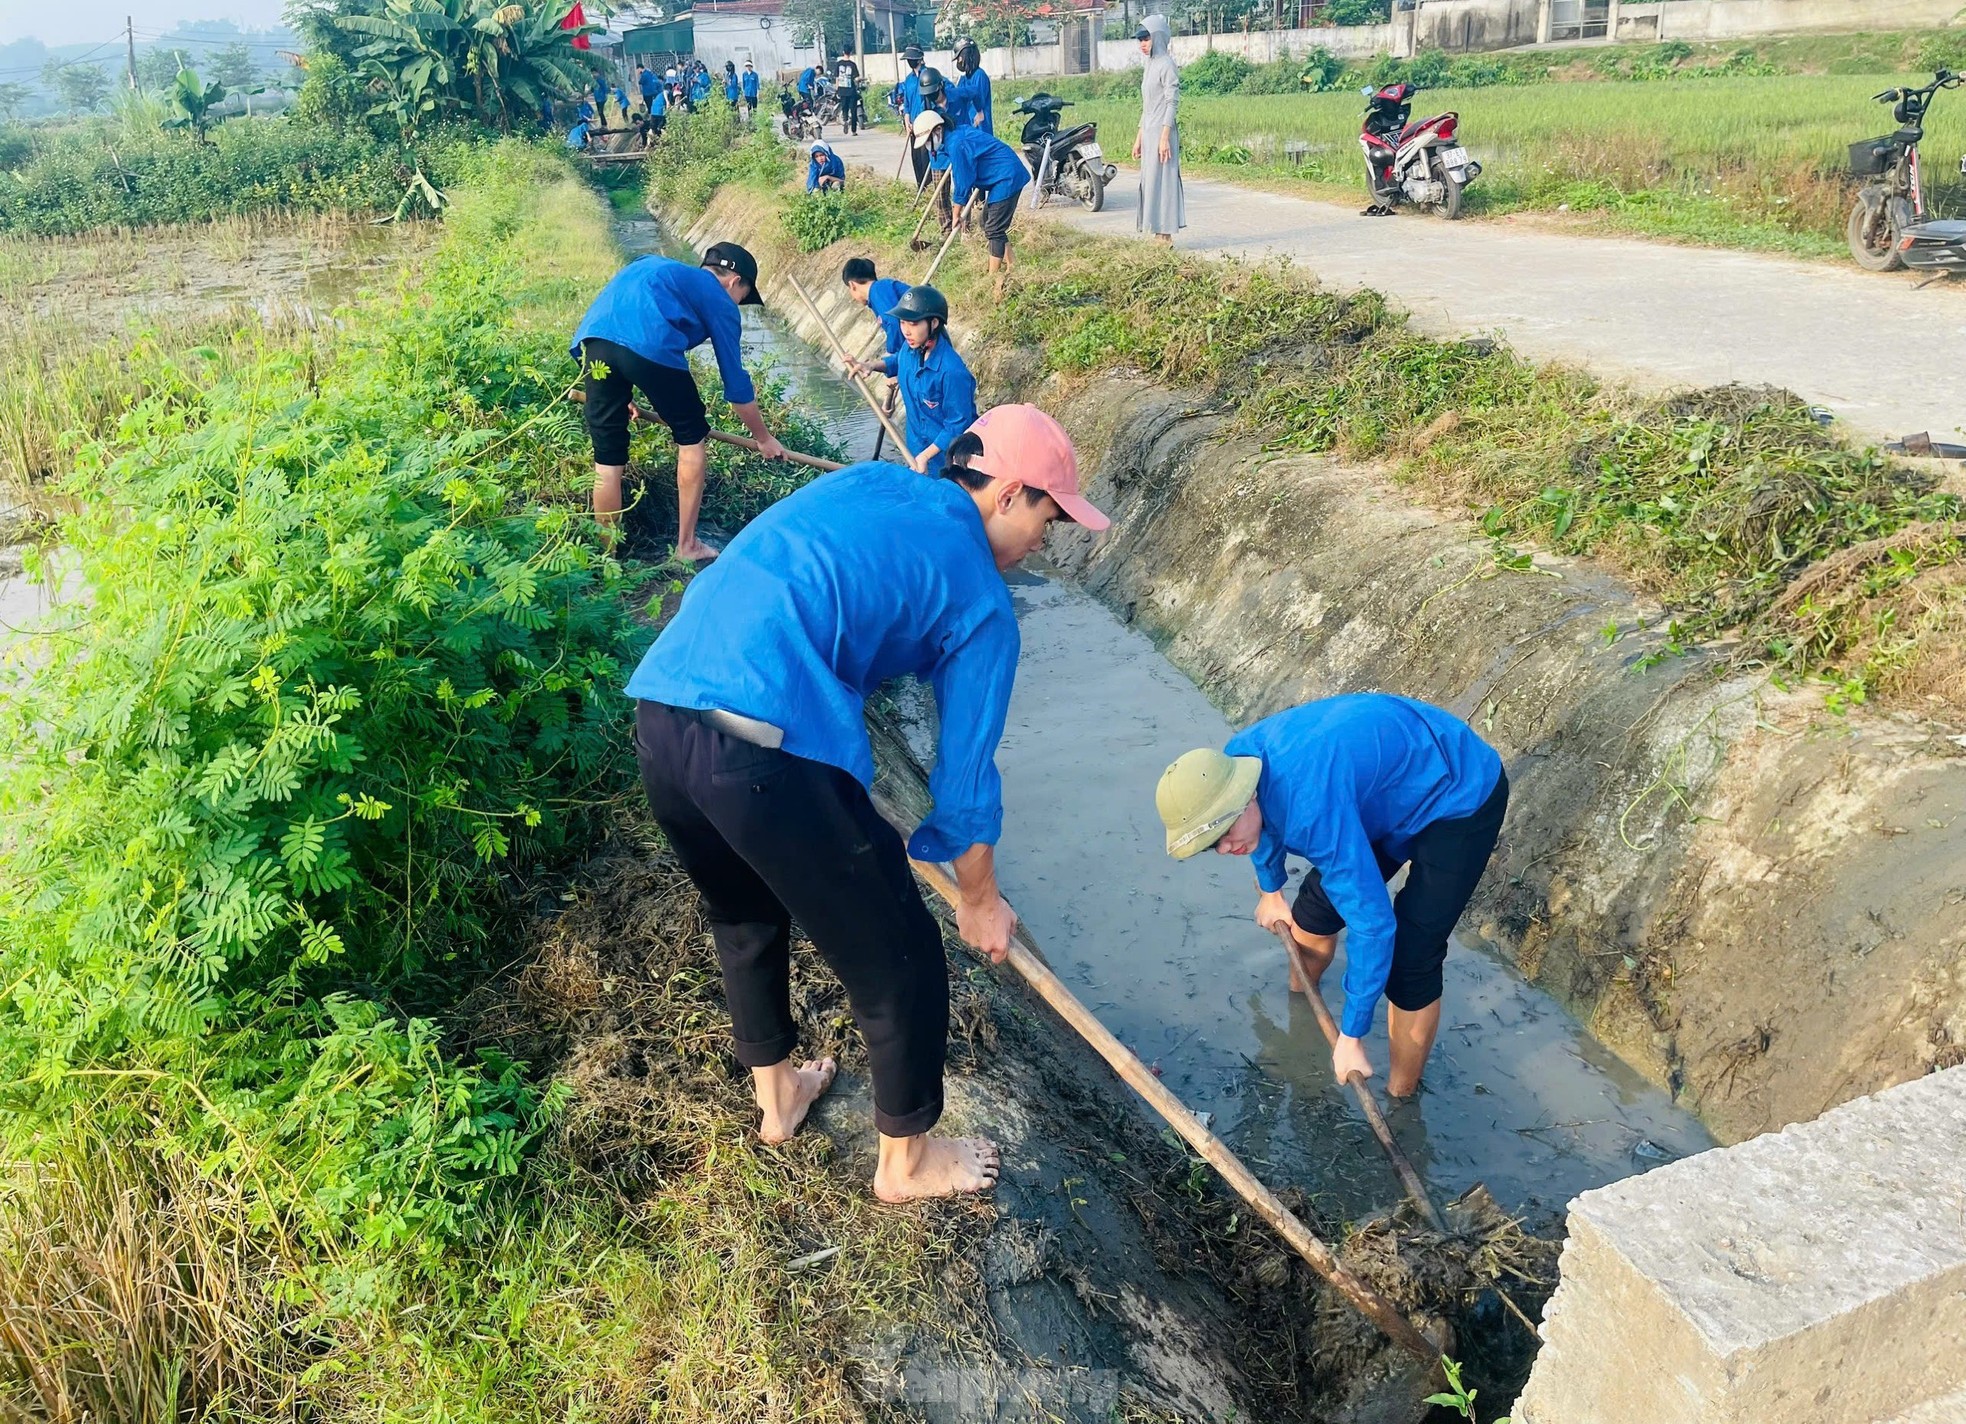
x: 969, y: 98
x: 658, y: 107
x: 648, y: 86
x: 638, y: 334
x: 880, y: 295
x: 601, y: 97
x: 699, y: 87
x: 1359, y: 786
x: 577, y: 136
x: 731, y: 87
x: 982, y: 168
x: 938, y: 393
x: 825, y: 173
x: 748, y: 81
x: 585, y: 114
x: 750, y: 730
x: 806, y: 78
x: 909, y: 92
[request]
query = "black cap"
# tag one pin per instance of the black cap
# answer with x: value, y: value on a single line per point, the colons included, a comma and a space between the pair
x: 913, y: 52
x: 729, y: 257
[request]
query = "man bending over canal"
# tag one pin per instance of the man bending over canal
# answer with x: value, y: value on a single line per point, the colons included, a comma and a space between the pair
x: 750, y: 729
x: 1358, y: 786
x: 639, y: 332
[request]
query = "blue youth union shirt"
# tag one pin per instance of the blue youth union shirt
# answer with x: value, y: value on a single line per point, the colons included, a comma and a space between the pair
x: 663, y: 309
x: 980, y: 160
x: 861, y: 576
x: 939, y: 395
x: 969, y: 97
x: 881, y: 299
x: 1345, y: 775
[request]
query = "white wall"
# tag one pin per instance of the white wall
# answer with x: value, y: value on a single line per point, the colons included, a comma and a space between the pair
x: 765, y: 40
x: 1258, y: 46
x: 1742, y: 19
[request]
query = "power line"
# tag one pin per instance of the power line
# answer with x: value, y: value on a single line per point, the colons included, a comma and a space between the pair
x: 51, y: 66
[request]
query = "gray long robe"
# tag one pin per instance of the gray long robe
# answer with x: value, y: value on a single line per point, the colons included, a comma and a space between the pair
x: 1162, y: 209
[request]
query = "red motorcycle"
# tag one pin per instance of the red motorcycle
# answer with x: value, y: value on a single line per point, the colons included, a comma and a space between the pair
x: 1422, y: 164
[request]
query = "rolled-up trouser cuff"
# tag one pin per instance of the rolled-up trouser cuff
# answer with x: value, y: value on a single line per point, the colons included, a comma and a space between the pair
x: 766, y: 1052
x: 911, y: 1124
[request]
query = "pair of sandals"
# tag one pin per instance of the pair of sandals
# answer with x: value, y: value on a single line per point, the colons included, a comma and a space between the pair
x: 1377, y: 210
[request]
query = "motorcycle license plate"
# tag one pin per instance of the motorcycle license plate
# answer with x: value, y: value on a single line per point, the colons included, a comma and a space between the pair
x: 1092, y: 151
x: 1454, y: 157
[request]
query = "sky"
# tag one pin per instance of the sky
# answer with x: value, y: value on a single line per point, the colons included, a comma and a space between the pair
x: 80, y: 21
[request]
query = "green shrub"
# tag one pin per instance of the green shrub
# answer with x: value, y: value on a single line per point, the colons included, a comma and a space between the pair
x: 822, y: 219
x: 1217, y: 72
x: 81, y: 179
x: 1323, y: 71
x: 699, y: 153
x: 1943, y: 51
x: 1278, y: 76
x: 1358, y: 12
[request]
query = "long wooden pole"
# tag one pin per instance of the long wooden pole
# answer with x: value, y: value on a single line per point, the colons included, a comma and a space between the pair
x: 1363, y: 1298
x: 847, y: 362
x: 1416, y: 1189
x: 929, y: 207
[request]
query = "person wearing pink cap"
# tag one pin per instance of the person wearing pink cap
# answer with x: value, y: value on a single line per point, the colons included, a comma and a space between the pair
x: 751, y: 733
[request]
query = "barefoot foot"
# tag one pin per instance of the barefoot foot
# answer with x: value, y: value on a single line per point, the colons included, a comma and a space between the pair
x: 696, y: 552
x: 924, y: 1166
x: 786, y: 1094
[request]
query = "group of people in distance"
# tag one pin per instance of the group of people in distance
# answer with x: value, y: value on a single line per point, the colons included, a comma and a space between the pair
x: 750, y: 734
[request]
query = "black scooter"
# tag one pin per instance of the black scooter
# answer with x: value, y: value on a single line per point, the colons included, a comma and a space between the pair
x: 1889, y: 225
x: 1066, y: 163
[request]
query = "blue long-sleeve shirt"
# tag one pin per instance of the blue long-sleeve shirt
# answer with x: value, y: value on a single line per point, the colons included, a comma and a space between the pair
x: 911, y: 94
x: 861, y: 576
x: 970, y: 96
x: 658, y: 102
x: 981, y: 160
x: 750, y: 83
x: 730, y: 88
x: 648, y: 83
x: 699, y: 87
x: 806, y: 78
x: 663, y: 309
x: 882, y: 295
x: 824, y: 165
x: 1344, y: 776
x: 939, y: 395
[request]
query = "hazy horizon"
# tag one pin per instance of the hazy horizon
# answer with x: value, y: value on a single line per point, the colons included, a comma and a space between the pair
x: 100, y: 21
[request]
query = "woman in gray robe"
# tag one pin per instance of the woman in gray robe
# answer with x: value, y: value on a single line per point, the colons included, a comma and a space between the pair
x: 1157, y: 146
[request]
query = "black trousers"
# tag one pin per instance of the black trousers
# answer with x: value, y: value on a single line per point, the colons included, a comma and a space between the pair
x: 768, y: 837
x: 1447, y: 859
x: 919, y: 159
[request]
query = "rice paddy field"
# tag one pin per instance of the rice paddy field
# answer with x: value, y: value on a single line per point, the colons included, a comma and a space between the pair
x: 1754, y: 162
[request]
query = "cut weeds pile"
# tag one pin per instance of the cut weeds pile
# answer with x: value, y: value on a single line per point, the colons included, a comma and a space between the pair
x: 1714, y: 501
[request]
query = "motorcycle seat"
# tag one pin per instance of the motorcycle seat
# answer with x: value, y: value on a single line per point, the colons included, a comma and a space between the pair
x: 1941, y: 230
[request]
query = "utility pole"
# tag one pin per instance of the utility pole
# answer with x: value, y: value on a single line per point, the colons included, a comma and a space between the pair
x: 130, y: 45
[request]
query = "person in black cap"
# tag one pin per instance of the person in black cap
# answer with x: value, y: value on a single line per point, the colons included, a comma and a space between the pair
x: 909, y: 91
x: 638, y: 334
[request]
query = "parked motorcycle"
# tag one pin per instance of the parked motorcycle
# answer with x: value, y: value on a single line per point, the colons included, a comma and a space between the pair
x: 1417, y: 163
x: 1065, y: 163
x: 1889, y: 226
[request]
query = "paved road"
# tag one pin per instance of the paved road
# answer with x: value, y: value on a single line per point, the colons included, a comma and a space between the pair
x: 1888, y: 359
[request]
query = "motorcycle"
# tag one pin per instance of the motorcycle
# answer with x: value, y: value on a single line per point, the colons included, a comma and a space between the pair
x: 1889, y: 225
x: 1418, y: 163
x: 1064, y: 163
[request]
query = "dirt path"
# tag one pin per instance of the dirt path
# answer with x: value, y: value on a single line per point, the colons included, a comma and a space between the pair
x: 1881, y: 355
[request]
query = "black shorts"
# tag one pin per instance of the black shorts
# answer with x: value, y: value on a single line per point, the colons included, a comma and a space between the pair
x: 671, y: 392
x: 1448, y: 858
x: 996, y: 222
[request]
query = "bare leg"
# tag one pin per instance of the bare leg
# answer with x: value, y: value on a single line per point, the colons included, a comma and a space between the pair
x: 1412, y: 1035
x: 929, y: 1166
x: 607, y: 493
x: 785, y: 1094
x: 1318, y: 950
x: 692, y: 463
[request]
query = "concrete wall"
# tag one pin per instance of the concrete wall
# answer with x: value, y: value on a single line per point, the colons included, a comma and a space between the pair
x: 765, y: 40
x: 1464, y: 26
x: 1815, y: 1274
x: 1258, y: 46
x: 1695, y: 20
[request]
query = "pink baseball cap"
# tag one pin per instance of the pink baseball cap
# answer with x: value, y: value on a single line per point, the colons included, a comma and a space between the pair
x: 1021, y: 442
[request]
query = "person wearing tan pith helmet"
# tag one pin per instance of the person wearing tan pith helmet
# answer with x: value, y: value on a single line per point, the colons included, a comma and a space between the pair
x: 1359, y: 786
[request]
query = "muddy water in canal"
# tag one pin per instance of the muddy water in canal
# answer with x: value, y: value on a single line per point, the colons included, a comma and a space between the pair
x: 1516, y: 1096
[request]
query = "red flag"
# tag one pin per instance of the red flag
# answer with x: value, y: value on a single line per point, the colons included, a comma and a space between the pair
x: 576, y: 17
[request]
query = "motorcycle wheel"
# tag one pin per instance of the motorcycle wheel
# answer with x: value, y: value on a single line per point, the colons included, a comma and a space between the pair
x: 1863, y: 249
x: 1450, y: 200
x: 1092, y: 189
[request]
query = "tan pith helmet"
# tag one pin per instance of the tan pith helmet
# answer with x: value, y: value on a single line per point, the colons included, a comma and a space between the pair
x: 1200, y: 796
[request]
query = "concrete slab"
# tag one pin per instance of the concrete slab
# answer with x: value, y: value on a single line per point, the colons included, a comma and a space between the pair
x: 1817, y: 1273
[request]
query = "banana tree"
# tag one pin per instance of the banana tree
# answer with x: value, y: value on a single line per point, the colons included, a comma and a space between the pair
x: 418, y: 53
x: 192, y: 102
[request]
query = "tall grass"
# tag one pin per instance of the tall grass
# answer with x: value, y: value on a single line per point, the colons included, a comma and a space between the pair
x: 1748, y: 161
